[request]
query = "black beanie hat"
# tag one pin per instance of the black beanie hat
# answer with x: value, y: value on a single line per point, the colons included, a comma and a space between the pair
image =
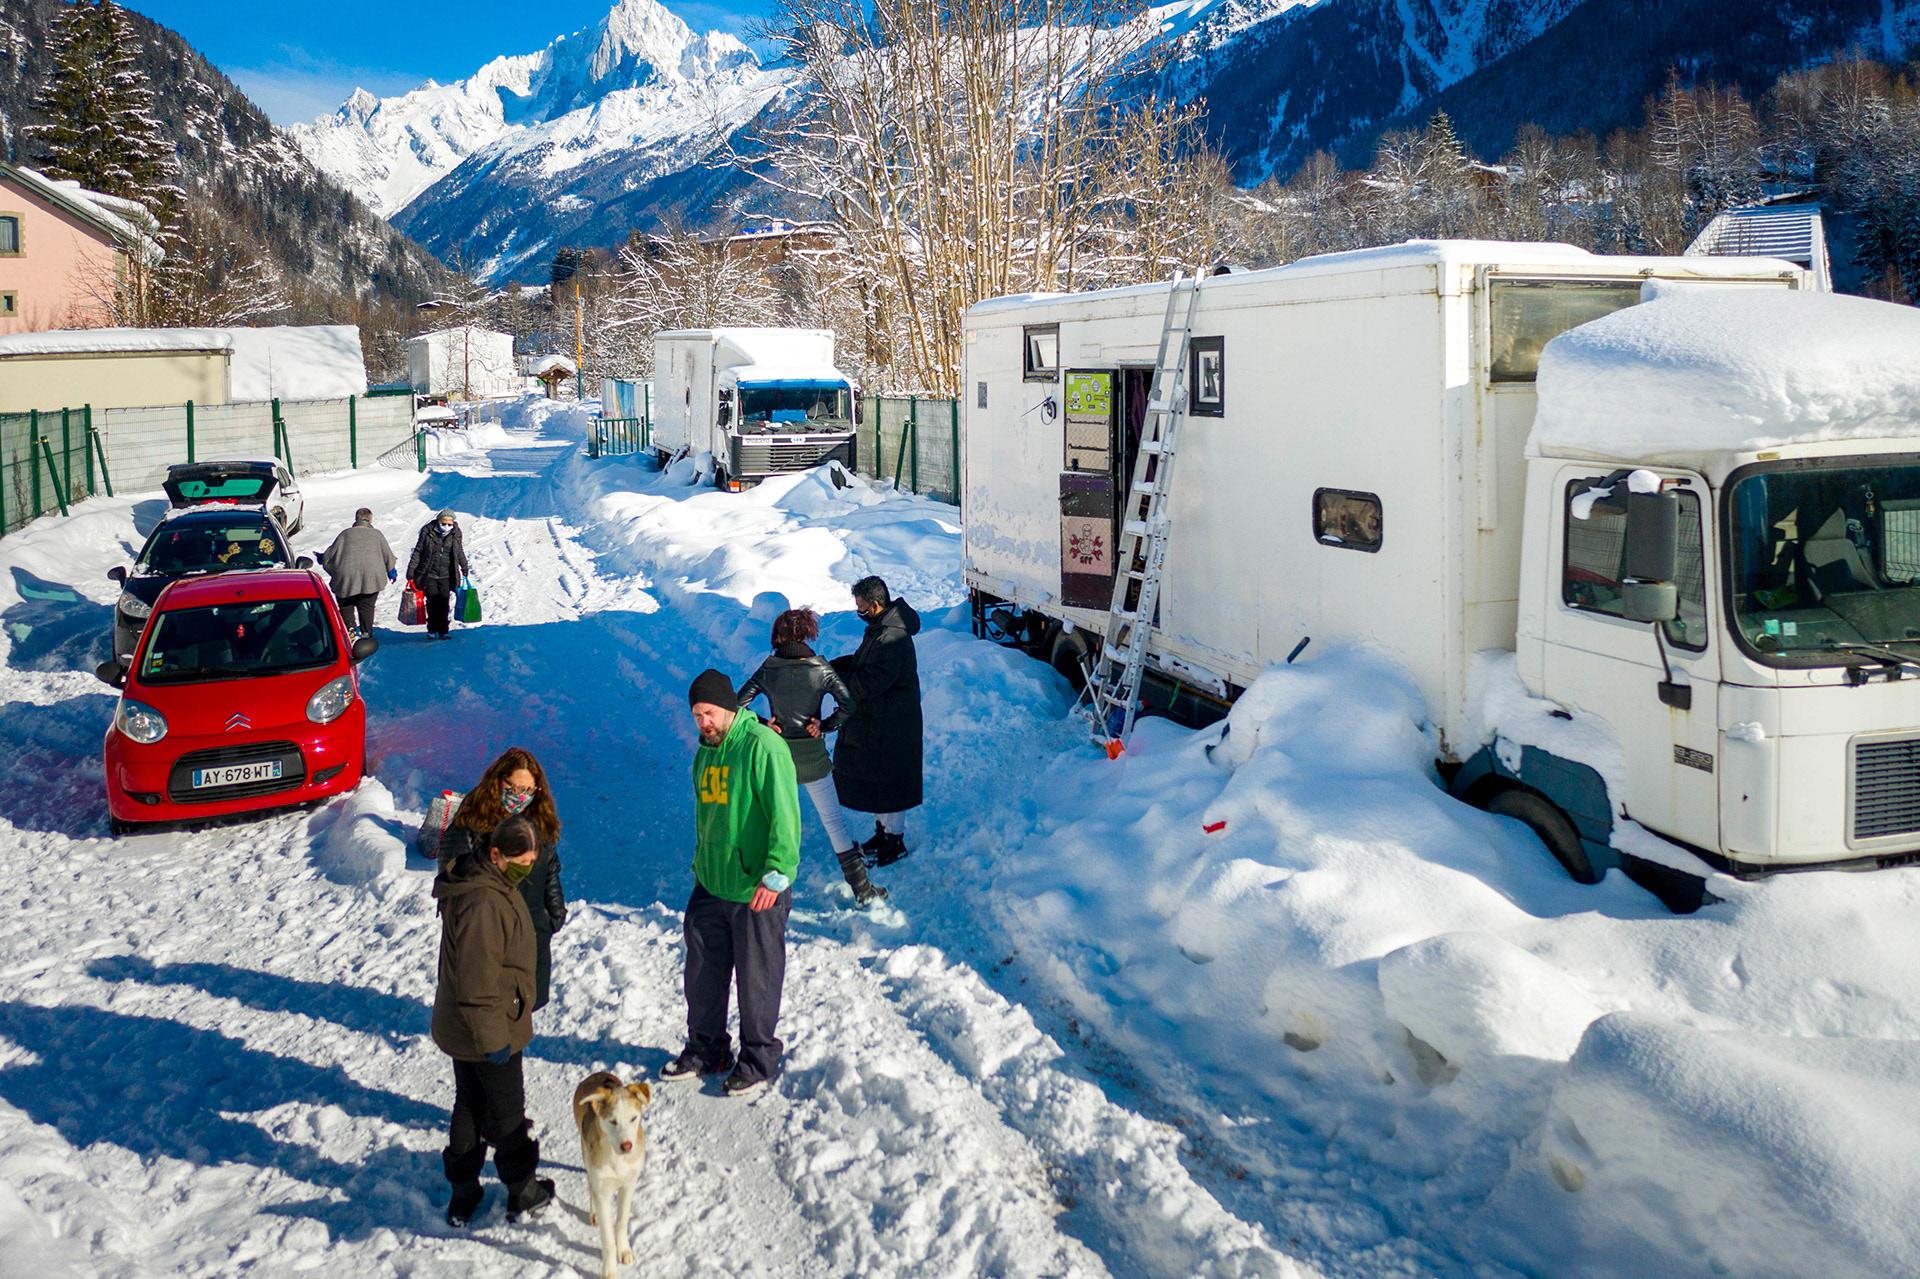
x: 713, y: 688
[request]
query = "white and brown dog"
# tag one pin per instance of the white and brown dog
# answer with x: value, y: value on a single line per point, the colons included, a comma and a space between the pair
x: 613, y: 1146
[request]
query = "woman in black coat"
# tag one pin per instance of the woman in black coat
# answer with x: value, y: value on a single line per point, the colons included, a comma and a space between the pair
x: 876, y: 765
x: 796, y: 682
x: 516, y: 786
x: 437, y: 565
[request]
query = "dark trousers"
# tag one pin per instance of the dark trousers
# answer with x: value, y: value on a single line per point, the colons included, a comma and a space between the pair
x: 439, y: 603
x: 490, y: 1109
x: 729, y: 944
x: 357, y: 611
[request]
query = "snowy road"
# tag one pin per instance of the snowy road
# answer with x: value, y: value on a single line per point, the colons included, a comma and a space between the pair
x: 213, y: 1055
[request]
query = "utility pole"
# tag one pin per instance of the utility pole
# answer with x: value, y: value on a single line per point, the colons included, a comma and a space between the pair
x: 579, y: 341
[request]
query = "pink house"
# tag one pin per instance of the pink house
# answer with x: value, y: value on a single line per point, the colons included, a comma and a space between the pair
x: 63, y: 251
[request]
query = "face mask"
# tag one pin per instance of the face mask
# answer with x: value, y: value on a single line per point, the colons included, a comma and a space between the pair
x: 516, y: 871
x: 515, y: 802
x: 445, y: 529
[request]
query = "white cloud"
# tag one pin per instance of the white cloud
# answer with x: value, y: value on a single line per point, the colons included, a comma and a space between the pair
x: 294, y: 86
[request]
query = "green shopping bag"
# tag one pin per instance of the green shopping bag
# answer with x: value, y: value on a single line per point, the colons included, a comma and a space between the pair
x: 469, y: 603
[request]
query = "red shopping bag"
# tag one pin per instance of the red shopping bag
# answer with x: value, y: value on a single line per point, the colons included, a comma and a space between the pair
x: 413, y: 606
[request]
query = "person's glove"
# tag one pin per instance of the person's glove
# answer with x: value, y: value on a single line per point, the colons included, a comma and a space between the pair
x: 393, y: 575
x: 500, y: 1056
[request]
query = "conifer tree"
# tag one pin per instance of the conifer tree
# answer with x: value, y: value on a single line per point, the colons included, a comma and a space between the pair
x: 95, y: 119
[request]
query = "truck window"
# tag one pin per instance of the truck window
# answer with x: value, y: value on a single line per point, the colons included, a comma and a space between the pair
x: 1347, y: 520
x: 1042, y: 361
x: 1594, y: 558
x: 795, y: 406
x: 1528, y: 314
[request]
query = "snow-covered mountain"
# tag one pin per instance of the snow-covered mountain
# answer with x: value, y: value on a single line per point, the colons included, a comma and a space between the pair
x: 538, y: 150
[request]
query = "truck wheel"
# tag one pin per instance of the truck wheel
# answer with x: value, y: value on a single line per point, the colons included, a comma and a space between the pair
x: 720, y: 477
x: 1069, y: 651
x: 1555, y: 829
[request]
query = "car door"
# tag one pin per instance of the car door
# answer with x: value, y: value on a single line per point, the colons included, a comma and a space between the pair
x: 290, y: 498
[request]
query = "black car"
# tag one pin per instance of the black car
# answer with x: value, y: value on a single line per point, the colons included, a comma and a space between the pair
x: 187, y: 544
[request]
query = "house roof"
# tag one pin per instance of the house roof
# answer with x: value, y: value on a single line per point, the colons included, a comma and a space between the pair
x: 125, y: 221
x: 105, y: 341
x: 1789, y: 231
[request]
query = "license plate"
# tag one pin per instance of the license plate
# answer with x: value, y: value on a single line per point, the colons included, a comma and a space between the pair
x: 236, y: 774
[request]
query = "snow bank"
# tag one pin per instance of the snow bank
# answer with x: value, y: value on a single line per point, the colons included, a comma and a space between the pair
x: 1678, y: 1151
x: 298, y: 362
x: 357, y: 842
x: 1730, y: 370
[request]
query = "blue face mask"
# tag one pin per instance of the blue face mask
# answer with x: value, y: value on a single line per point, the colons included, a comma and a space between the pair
x: 446, y: 530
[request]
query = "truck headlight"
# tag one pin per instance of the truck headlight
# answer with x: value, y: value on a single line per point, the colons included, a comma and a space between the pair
x: 133, y: 606
x: 331, y: 702
x: 139, y: 722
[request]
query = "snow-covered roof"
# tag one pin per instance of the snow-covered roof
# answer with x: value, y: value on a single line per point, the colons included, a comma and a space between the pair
x: 298, y: 362
x: 1769, y: 231
x: 456, y: 330
x: 114, y: 341
x: 1727, y: 370
x: 126, y: 220
x: 1512, y: 255
x: 543, y: 364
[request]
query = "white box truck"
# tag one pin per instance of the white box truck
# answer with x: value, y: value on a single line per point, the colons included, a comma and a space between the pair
x: 1361, y: 465
x: 761, y: 401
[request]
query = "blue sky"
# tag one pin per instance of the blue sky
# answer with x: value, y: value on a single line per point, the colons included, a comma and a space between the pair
x: 298, y: 60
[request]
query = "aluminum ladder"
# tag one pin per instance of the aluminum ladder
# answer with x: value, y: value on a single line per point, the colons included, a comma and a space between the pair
x: 1113, y: 687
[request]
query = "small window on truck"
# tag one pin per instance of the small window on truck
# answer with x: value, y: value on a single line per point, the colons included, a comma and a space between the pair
x: 1594, y: 560
x: 1348, y: 520
x: 1042, y: 360
x: 1528, y: 314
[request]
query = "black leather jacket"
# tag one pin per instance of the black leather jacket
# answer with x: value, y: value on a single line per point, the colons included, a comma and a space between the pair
x: 796, y: 682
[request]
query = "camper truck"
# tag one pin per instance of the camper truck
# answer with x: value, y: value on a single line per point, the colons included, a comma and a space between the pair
x: 762, y: 402
x: 1624, y: 625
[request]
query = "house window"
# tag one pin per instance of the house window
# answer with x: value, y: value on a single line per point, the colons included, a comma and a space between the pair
x: 1528, y: 314
x: 9, y: 304
x: 1042, y: 361
x: 1347, y: 520
x: 1594, y: 561
x: 9, y: 234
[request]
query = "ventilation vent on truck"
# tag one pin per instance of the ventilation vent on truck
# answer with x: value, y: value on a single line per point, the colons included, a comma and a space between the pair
x: 1886, y: 789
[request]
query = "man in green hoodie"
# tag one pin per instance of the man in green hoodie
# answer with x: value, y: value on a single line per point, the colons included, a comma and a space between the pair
x: 746, y: 851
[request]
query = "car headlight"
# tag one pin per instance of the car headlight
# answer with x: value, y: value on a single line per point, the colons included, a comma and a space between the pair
x: 331, y: 702
x: 139, y: 722
x: 133, y: 606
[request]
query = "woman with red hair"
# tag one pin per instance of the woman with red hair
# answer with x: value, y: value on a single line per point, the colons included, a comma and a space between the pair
x: 796, y: 682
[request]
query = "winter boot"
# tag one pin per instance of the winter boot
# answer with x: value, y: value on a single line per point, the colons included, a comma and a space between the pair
x: 691, y: 1065
x: 529, y: 1199
x: 872, y: 847
x: 854, y: 867
x: 892, y: 848
x: 464, y: 1204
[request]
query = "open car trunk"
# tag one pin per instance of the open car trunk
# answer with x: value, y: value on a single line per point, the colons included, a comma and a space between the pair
x: 249, y: 483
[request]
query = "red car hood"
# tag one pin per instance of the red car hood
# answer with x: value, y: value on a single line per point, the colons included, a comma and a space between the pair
x: 243, y: 709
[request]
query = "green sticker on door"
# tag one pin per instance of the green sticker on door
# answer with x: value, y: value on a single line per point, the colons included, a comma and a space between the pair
x: 1090, y: 397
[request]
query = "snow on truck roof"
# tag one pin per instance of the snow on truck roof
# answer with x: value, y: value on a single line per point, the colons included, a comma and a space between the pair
x: 1723, y: 370
x: 1511, y: 255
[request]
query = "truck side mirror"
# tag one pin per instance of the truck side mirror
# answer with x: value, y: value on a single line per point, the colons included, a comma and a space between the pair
x: 1648, y: 592
x: 726, y: 412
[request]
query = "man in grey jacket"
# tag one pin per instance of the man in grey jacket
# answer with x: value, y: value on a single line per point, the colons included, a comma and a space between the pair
x: 361, y: 564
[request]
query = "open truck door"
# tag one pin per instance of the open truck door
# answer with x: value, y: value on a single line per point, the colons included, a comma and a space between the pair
x: 1088, y: 490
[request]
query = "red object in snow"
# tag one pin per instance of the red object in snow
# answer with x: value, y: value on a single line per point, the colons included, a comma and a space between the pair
x: 221, y: 716
x: 1214, y: 828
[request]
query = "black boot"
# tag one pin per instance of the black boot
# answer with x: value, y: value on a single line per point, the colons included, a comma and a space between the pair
x: 529, y: 1199
x: 854, y: 867
x: 892, y: 848
x: 871, y: 848
x: 464, y: 1204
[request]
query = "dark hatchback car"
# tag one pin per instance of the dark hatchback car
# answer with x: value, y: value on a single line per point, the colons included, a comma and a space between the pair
x: 193, y: 543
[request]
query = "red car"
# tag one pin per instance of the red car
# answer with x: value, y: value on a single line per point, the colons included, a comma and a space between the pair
x: 241, y: 696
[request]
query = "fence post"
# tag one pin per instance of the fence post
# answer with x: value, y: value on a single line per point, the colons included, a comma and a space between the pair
x: 53, y: 473
x: 33, y: 463
x: 3, y: 474
x: 106, y: 477
x: 189, y: 430
x: 353, y: 433
x: 953, y: 458
x: 86, y: 450
x: 420, y: 446
x: 913, y: 436
x: 66, y: 449
x: 276, y: 428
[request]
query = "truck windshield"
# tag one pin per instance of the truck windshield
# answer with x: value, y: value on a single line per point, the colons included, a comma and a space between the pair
x: 793, y: 407
x: 1825, y: 557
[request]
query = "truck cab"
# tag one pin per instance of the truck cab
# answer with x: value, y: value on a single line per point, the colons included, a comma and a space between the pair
x: 760, y: 401
x: 1762, y: 705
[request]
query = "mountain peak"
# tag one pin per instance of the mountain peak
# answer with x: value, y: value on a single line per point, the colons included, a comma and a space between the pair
x: 639, y: 31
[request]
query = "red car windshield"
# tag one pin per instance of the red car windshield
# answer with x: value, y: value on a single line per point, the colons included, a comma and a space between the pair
x: 235, y: 641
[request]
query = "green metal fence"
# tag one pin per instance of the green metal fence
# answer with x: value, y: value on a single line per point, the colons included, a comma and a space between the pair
x: 48, y: 461
x: 913, y: 441
x: 613, y: 436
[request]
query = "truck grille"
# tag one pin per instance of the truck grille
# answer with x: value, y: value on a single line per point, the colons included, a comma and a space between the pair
x: 765, y: 457
x: 293, y: 772
x: 1886, y: 788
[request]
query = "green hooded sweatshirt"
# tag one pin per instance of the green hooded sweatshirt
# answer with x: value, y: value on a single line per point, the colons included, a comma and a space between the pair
x: 746, y: 812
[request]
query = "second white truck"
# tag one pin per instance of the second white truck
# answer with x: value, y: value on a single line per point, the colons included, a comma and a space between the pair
x: 760, y: 401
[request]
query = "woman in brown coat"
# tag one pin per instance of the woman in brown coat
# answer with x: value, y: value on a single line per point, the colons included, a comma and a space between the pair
x: 483, y: 1019
x: 516, y: 786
